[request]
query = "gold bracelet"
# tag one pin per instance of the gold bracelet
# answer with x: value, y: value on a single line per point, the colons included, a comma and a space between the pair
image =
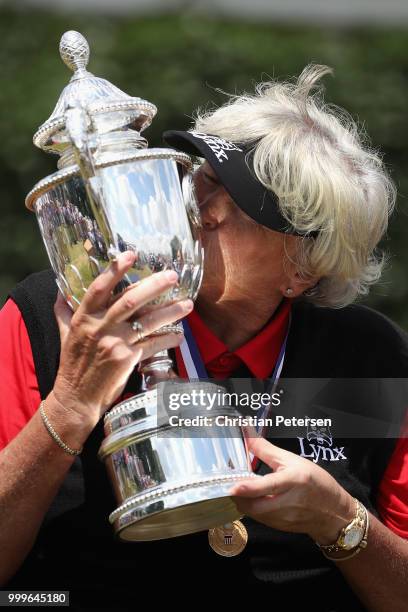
x: 54, y: 435
x: 350, y: 556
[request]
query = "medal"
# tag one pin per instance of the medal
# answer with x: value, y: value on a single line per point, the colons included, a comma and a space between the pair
x: 228, y: 540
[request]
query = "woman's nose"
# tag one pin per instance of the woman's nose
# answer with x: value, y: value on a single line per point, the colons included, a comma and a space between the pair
x: 208, y: 217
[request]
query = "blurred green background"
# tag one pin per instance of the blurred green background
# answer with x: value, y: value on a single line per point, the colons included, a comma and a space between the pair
x: 177, y: 62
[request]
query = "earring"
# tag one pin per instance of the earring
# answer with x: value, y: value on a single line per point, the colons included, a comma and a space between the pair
x: 289, y: 291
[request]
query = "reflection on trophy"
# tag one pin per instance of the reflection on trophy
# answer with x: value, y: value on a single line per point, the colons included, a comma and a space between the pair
x: 112, y: 193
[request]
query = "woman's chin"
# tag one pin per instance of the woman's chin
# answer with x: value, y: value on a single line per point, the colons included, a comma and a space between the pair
x: 209, y: 292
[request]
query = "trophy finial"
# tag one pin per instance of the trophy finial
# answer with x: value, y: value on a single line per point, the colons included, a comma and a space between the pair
x: 74, y: 50
x: 111, y: 108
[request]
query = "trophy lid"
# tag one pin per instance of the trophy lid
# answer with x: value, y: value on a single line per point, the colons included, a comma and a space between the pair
x: 108, y: 107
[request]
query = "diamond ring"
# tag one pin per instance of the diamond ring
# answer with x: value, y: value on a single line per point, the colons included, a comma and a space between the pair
x: 137, y: 327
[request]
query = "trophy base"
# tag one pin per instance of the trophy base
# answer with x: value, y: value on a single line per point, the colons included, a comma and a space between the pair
x: 177, y: 511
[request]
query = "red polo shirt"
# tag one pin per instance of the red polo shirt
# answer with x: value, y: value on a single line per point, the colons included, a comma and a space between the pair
x: 20, y: 396
x: 259, y: 354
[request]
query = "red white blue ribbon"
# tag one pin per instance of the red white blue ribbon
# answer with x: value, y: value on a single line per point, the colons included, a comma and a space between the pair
x: 195, y: 369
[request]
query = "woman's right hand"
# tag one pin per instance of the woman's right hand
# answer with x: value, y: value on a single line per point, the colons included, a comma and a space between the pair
x: 99, y: 348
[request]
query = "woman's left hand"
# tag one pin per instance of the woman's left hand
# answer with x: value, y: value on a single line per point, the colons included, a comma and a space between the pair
x: 298, y: 496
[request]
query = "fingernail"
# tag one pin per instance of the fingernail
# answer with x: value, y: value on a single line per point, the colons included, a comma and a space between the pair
x: 171, y: 275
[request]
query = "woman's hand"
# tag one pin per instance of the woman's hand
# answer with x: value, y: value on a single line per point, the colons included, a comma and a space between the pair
x: 99, y: 348
x: 298, y: 496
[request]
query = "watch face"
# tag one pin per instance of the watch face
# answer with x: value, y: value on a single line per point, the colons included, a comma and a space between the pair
x: 352, y: 538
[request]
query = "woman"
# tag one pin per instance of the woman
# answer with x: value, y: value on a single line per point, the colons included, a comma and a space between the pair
x: 293, y: 206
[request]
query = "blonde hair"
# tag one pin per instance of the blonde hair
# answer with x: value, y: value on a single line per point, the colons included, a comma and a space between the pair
x: 326, y: 177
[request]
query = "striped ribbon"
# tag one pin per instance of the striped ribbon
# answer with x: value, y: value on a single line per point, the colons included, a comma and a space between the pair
x: 192, y: 366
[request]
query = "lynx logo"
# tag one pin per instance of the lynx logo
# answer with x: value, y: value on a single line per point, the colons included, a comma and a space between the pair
x: 321, y: 447
x: 217, y: 145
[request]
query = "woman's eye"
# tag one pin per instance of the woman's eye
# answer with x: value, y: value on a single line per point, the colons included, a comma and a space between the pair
x: 210, y: 179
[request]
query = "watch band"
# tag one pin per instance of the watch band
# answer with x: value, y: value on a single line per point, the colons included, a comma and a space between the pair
x: 358, y: 527
x: 355, y: 552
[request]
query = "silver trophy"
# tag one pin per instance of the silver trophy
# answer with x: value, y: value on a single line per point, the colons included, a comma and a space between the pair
x: 112, y: 193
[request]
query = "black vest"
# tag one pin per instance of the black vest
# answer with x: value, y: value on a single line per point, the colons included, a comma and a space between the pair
x: 76, y: 549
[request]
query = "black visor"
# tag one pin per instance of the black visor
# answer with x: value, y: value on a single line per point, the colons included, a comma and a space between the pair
x: 231, y: 163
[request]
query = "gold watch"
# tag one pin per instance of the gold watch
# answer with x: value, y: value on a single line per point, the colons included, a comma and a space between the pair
x: 353, y: 535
